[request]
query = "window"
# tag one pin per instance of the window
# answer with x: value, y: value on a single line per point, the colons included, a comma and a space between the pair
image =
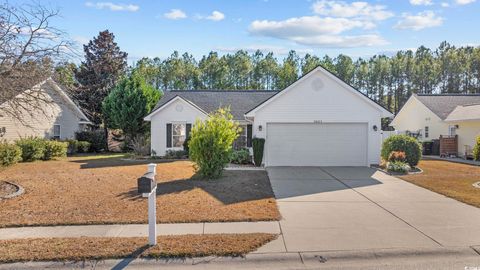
x: 56, y: 131
x: 178, y: 134
x: 426, y: 132
x: 241, y: 141
x: 452, y: 130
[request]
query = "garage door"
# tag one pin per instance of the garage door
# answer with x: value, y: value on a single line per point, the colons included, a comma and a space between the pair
x: 332, y: 144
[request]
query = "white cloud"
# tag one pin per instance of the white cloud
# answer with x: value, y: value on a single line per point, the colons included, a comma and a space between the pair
x: 175, y: 14
x: 361, y: 10
x: 80, y: 40
x: 464, y: 2
x: 264, y: 49
x: 445, y: 4
x: 422, y: 20
x: 113, y: 7
x: 304, y: 26
x: 338, y: 41
x: 421, y: 2
x: 216, y: 16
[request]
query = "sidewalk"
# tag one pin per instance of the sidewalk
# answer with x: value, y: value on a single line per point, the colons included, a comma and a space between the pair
x: 138, y: 230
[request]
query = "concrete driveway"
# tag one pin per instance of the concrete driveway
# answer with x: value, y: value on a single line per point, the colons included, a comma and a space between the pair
x: 352, y: 208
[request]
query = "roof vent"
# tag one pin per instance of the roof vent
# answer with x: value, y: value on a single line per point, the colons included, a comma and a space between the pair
x: 317, y: 84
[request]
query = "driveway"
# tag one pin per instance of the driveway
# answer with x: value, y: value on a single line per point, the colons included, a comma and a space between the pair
x: 352, y: 208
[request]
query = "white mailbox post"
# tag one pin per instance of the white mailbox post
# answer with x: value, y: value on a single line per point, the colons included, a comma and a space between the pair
x: 147, y: 185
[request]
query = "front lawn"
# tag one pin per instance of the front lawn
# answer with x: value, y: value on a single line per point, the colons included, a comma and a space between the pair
x: 450, y: 179
x: 92, y: 248
x: 103, y: 190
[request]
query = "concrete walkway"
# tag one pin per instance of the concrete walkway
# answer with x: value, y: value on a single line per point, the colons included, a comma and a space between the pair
x: 138, y: 230
x: 354, y: 208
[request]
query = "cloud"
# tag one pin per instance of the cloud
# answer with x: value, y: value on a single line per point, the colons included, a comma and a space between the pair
x: 305, y: 26
x: 337, y: 41
x: 464, y: 2
x: 175, y: 14
x: 216, y: 16
x: 360, y: 10
x: 445, y: 4
x: 264, y: 49
x: 421, y: 2
x: 422, y: 20
x: 81, y: 40
x: 112, y: 6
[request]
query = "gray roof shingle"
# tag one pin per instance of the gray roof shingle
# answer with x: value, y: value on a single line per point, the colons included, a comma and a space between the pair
x: 442, y: 105
x: 239, y: 101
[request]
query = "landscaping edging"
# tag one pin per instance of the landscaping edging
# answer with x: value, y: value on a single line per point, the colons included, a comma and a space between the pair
x: 17, y: 193
x: 400, y: 174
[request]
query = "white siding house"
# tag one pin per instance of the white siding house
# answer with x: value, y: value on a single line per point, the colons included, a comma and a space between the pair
x: 317, y: 121
x: 54, y: 115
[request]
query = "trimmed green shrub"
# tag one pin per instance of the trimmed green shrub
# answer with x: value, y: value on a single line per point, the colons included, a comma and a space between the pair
x: 83, y: 146
x: 403, y: 143
x: 9, y: 154
x: 258, y: 144
x: 241, y: 156
x: 211, y: 142
x: 476, y: 150
x: 398, y: 167
x: 96, y: 138
x: 185, y: 145
x: 72, y: 147
x: 55, y: 149
x: 33, y: 148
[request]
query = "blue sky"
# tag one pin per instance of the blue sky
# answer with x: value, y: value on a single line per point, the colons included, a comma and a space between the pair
x: 359, y: 29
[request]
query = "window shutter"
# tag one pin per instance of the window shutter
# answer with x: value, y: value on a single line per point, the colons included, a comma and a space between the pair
x: 249, y: 135
x: 187, y: 130
x: 169, y: 135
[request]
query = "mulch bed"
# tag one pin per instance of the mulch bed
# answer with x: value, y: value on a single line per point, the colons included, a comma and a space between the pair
x: 103, y: 190
x: 93, y: 248
x: 453, y: 180
x: 7, y: 189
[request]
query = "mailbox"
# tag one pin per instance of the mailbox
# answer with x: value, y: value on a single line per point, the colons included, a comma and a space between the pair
x: 146, y: 183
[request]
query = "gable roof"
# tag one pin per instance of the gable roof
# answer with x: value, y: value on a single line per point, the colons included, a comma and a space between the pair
x: 386, y: 112
x: 443, y: 104
x: 239, y: 101
x: 464, y: 113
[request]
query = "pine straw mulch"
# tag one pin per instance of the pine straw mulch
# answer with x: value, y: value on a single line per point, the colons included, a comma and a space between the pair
x: 103, y: 190
x: 93, y: 248
x: 453, y: 180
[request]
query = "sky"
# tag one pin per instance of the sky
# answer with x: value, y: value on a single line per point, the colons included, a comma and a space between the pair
x: 355, y: 28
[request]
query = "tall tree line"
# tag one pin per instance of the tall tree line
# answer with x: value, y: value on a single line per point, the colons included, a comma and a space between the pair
x: 389, y: 80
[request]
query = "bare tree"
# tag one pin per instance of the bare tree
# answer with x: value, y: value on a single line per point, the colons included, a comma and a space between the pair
x: 29, y: 45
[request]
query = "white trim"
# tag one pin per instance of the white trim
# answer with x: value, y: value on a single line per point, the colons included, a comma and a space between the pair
x: 384, y: 112
x: 171, y: 135
x: 149, y: 117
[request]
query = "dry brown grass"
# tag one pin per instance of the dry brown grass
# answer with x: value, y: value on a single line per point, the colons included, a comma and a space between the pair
x: 98, y: 190
x: 89, y: 248
x: 450, y: 179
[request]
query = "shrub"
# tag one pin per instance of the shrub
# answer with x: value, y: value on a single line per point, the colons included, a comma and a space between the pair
x: 33, y: 148
x: 397, y: 156
x: 140, y: 145
x: 96, y: 138
x: 9, y: 154
x: 175, y: 154
x: 185, y: 145
x: 72, y: 147
x: 241, y: 156
x: 258, y: 144
x: 211, y: 142
x: 403, y: 143
x: 83, y: 146
x: 476, y: 150
x: 398, y: 167
x: 55, y: 149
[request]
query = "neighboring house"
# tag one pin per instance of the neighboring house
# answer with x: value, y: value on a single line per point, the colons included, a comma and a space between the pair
x: 319, y: 120
x: 46, y: 111
x: 431, y: 116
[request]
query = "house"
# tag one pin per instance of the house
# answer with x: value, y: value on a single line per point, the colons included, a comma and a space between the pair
x: 44, y: 111
x: 431, y: 116
x: 319, y: 120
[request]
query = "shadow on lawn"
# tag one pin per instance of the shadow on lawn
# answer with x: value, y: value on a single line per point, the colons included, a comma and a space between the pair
x: 116, y: 161
x: 232, y: 187
x: 126, y: 261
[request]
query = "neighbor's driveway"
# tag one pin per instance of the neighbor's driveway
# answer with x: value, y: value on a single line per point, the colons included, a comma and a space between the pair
x: 348, y: 208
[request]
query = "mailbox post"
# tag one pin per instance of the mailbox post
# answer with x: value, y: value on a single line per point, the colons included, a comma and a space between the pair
x: 147, y: 186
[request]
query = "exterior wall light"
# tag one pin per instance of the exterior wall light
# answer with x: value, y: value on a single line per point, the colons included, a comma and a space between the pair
x: 375, y: 128
x: 260, y: 127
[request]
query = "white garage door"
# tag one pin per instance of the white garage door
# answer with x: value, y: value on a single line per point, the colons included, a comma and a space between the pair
x: 332, y: 144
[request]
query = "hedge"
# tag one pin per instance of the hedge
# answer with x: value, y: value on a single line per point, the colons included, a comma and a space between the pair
x: 403, y: 143
x: 9, y: 154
